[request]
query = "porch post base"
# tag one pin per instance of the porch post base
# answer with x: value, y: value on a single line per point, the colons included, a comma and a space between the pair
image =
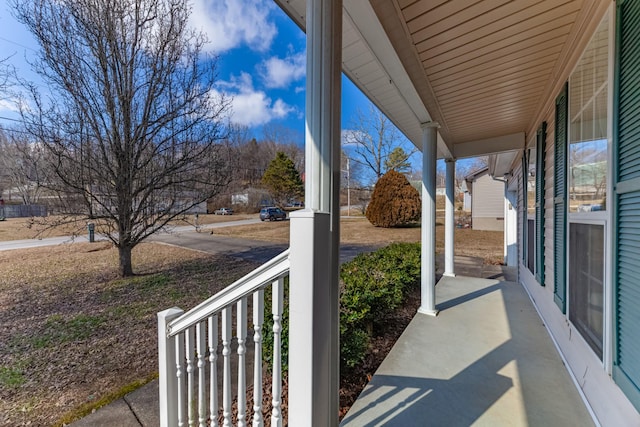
x: 428, y: 311
x: 449, y: 274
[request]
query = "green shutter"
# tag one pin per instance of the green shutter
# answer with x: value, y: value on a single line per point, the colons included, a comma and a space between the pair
x: 626, y: 370
x: 525, y: 230
x: 541, y: 144
x: 559, y: 206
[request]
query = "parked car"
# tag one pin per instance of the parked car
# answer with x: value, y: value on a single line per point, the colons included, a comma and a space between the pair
x: 223, y: 211
x: 272, y: 214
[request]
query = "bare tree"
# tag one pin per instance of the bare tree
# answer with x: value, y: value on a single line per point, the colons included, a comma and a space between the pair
x: 465, y: 168
x: 22, y: 165
x: 129, y: 118
x: 373, y: 138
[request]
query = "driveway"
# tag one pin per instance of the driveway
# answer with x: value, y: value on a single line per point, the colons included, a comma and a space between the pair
x: 187, y: 237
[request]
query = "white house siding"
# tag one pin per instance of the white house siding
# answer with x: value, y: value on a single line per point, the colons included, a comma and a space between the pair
x: 487, y: 204
x: 609, y: 404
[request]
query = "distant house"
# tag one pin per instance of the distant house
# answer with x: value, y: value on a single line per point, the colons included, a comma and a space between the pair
x: 487, y: 201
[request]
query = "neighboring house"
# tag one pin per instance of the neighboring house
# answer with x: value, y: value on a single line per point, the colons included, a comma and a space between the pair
x: 548, y: 90
x: 487, y: 200
x: 466, y: 196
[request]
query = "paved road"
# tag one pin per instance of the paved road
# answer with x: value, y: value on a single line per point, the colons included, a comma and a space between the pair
x: 187, y: 237
x: 53, y: 241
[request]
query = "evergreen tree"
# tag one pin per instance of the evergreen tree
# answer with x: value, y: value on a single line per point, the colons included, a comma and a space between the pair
x: 282, y: 179
x: 394, y: 202
x: 398, y: 160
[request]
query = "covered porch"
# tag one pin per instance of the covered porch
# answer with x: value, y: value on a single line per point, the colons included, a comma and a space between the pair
x: 460, y: 80
x: 487, y: 359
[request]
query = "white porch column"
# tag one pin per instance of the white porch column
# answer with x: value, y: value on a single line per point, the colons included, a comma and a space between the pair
x: 428, y: 256
x: 449, y: 220
x: 314, y: 357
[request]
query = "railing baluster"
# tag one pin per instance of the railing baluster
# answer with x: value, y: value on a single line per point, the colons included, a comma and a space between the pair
x: 202, y: 391
x: 276, y: 385
x: 180, y: 377
x: 188, y: 339
x: 226, y: 372
x: 213, y: 371
x: 241, y: 332
x: 189, y: 350
x: 258, y: 320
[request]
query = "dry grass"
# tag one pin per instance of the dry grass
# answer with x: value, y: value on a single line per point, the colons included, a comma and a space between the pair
x: 487, y: 245
x: 28, y: 228
x: 72, y: 332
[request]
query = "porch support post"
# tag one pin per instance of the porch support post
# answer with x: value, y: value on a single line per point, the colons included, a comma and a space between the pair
x: 314, y: 357
x: 449, y: 220
x: 428, y: 256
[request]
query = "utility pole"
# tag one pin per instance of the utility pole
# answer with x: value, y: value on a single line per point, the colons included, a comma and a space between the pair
x: 348, y: 186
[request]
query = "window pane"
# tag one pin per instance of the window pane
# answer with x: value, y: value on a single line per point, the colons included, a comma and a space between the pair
x: 531, y: 183
x: 588, y: 126
x: 531, y: 245
x: 586, y: 282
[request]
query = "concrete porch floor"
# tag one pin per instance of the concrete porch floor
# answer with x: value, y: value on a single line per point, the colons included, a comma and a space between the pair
x: 486, y: 359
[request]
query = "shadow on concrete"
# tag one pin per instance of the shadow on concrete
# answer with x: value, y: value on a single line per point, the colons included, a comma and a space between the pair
x: 429, y: 401
x: 486, y: 358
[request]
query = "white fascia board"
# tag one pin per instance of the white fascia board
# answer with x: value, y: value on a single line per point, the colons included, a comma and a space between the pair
x: 361, y: 16
x: 500, y: 164
x: 484, y: 147
x: 367, y: 24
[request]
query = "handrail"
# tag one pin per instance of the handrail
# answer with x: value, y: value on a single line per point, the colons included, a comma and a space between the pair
x: 258, y: 278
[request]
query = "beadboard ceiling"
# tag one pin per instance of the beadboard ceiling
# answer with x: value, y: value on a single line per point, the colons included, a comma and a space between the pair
x: 482, y: 69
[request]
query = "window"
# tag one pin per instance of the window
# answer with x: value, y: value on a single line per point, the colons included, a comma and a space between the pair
x: 533, y: 224
x: 586, y: 283
x: 531, y: 210
x: 588, y: 128
x: 586, y: 175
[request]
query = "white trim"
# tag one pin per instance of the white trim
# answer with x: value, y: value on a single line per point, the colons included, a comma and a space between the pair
x: 606, y: 287
x: 604, y: 218
x: 609, y: 327
x: 483, y: 147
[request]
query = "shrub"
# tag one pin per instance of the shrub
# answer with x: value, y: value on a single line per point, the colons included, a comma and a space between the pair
x: 394, y: 202
x: 372, y: 286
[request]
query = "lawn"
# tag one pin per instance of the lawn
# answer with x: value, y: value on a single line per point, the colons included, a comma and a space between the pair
x: 72, y: 332
x: 487, y: 245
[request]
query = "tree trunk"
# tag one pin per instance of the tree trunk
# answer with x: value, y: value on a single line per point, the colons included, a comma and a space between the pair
x: 125, y: 261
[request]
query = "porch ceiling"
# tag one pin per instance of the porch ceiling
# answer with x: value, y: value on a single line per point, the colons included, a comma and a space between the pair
x: 482, y: 69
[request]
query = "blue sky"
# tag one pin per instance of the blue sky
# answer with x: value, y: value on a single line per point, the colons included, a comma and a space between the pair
x: 261, y: 62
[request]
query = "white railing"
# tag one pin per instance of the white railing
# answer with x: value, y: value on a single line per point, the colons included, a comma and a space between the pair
x: 189, y: 344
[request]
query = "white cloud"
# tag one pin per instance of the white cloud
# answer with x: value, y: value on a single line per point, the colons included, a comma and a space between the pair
x: 279, y: 73
x: 231, y: 23
x: 9, y: 104
x: 352, y: 136
x: 252, y: 107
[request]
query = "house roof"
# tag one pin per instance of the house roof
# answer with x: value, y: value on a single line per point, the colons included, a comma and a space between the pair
x: 482, y: 69
x: 476, y: 174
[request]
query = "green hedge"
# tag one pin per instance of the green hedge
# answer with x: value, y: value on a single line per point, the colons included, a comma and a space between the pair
x: 372, y: 286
